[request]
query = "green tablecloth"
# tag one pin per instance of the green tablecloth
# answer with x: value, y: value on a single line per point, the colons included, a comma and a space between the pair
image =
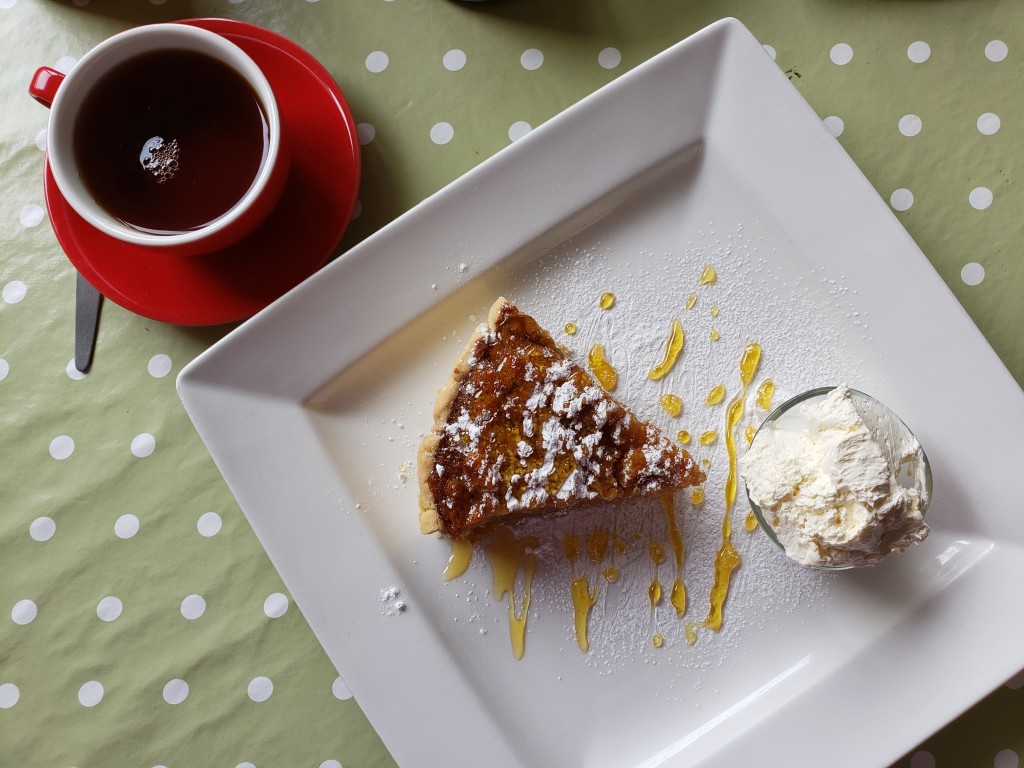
x: 141, y: 622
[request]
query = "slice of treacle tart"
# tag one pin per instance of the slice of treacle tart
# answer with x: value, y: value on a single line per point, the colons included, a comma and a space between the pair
x: 521, y: 429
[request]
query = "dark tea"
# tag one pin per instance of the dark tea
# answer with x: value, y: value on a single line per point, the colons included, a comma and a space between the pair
x: 169, y: 141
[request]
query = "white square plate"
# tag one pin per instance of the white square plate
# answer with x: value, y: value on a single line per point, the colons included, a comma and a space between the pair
x: 705, y: 154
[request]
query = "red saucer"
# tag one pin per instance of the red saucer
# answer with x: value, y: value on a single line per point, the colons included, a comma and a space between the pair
x: 295, y: 240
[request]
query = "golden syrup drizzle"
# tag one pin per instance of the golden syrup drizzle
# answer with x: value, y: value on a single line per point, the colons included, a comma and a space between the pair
x: 611, y: 574
x: 571, y: 548
x: 705, y: 463
x: 620, y: 545
x: 683, y: 437
x: 597, y: 546
x: 727, y: 559
x: 673, y: 346
x: 697, y: 496
x: 462, y: 553
x: 602, y: 369
x: 750, y: 522
x: 570, y: 329
x: 691, y: 301
x: 714, y: 311
x: 654, y: 592
x: 707, y: 438
x: 764, y: 394
x: 657, y: 553
x: 657, y: 640
x: 675, y: 536
x: 714, y: 335
x: 708, y: 276
x: 509, y: 555
x: 749, y: 433
x: 715, y: 395
x: 583, y: 599
x: 672, y: 404
x: 607, y: 300
x: 678, y: 597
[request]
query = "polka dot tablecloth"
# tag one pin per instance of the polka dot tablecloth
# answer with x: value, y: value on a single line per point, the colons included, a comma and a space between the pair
x: 141, y: 623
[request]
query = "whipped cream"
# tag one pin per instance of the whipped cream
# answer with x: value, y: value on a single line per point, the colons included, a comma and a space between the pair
x: 826, y: 477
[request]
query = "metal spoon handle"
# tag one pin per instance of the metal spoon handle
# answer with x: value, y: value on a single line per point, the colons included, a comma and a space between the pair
x: 87, y: 316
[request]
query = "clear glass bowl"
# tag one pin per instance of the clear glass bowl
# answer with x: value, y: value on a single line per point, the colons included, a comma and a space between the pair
x: 922, y: 481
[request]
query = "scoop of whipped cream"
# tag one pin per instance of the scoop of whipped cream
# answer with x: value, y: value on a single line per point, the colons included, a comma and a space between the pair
x: 825, y: 475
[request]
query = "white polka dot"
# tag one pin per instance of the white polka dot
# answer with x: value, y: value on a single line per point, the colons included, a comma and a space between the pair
x: 90, y: 694
x: 41, y: 140
x: 609, y: 58
x: 236, y: 2
x: 143, y: 445
x: 1006, y: 758
x: 73, y: 373
x: 441, y: 133
x: 42, y: 529
x: 340, y: 689
x: 518, y: 129
x: 126, y: 526
x: 65, y: 64
x: 24, y: 612
x: 919, y: 52
x: 454, y: 60
x: 275, y: 605
x: 14, y: 291
x: 5, y: 368
x: 61, y: 447
x: 366, y: 133
x: 9, y: 695
x: 980, y: 198
x: 910, y: 125
x: 834, y: 124
x: 377, y: 61
x: 109, y: 608
x: 922, y: 759
x: 841, y: 53
x: 260, y: 688
x: 176, y: 691
x: 1016, y: 682
x: 901, y: 199
x: 330, y: 764
x: 996, y: 50
x: 209, y: 524
x: 6, y: 5
x: 989, y: 123
x: 972, y: 273
x: 31, y: 215
x: 770, y: 51
x: 531, y: 59
x: 159, y: 366
x: 246, y: 764
x: 193, y: 606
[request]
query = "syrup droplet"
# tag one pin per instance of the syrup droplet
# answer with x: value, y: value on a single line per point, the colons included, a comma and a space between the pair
x: 764, y: 394
x: 607, y: 300
x: 697, y: 495
x: 570, y: 329
x: 657, y: 552
x: 749, y: 433
x: 714, y: 311
x: 583, y: 599
x: 716, y: 395
x: 611, y: 574
x: 683, y: 437
x: 708, y: 276
x: 707, y: 438
x: 597, y: 546
x: 654, y: 592
x: 672, y: 404
x: 462, y: 553
x: 673, y: 346
x: 750, y: 523
x: 705, y: 463
x: 714, y: 335
x: 602, y: 369
x: 658, y: 640
x: 691, y: 301
x: 571, y: 548
x: 678, y: 597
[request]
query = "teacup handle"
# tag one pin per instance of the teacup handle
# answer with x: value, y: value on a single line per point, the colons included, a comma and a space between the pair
x: 44, y: 85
